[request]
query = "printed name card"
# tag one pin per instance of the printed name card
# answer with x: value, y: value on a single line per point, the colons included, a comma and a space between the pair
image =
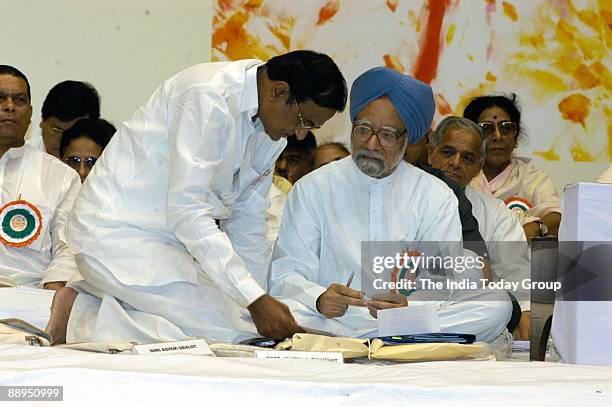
x: 189, y: 347
x: 334, y: 357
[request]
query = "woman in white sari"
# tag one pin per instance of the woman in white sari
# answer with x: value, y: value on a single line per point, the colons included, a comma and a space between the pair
x: 526, y: 190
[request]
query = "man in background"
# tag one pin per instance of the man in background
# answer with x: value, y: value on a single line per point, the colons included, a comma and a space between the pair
x: 64, y: 105
x: 458, y: 149
x: 36, y: 195
x: 296, y: 160
x: 328, y: 153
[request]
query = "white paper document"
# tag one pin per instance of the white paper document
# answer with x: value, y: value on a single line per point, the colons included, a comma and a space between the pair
x: 410, y: 320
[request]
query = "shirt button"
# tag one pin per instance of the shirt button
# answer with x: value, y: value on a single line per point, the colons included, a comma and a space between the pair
x: 376, y: 208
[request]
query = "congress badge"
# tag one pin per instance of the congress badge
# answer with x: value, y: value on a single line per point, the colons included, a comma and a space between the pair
x: 20, y: 223
x: 518, y: 205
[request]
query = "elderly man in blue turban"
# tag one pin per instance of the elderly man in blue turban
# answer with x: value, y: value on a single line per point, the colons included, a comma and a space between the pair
x: 369, y: 197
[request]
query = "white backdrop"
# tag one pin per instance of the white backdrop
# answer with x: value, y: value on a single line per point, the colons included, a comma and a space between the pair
x: 126, y: 48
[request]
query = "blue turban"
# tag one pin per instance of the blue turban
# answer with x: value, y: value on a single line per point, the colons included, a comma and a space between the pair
x: 412, y: 99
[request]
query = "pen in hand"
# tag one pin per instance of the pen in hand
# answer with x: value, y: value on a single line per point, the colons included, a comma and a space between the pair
x: 350, y: 280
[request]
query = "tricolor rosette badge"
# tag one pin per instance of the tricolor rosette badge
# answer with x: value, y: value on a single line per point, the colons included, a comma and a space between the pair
x: 20, y: 223
x: 516, y: 204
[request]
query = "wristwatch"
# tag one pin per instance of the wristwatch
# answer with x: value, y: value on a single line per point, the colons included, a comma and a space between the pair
x: 543, y: 228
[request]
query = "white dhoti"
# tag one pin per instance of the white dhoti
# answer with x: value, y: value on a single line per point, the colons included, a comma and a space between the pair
x: 484, y: 313
x: 111, y: 311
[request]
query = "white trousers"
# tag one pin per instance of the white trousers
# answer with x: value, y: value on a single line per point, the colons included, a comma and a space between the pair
x: 484, y: 313
x: 108, y: 311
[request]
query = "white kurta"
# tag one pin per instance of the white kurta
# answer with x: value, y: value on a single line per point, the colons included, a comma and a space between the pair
x: 277, y: 198
x: 35, y: 140
x: 332, y: 210
x: 144, y: 229
x: 52, y: 187
x: 507, y: 246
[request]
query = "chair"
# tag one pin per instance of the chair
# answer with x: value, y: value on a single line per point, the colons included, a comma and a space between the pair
x: 544, y: 267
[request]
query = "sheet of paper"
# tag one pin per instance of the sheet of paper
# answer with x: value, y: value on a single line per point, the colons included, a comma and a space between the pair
x: 410, y: 320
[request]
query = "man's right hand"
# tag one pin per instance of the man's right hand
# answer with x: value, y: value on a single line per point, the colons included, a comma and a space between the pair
x: 335, y: 300
x: 273, y: 318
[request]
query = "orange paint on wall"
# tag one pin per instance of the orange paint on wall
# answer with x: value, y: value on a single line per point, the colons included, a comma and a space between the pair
x: 510, y: 10
x: 543, y: 80
x: 391, y: 61
x: 580, y: 154
x: 392, y: 4
x: 535, y: 41
x: 491, y: 77
x: 444, y: 107
x: 575, y: 108
x: 584, y: 77
x: 549, y: 154
x: 328, y: 11
x: 426, y: 67
x: 252, y: 5
x: 282, y: 33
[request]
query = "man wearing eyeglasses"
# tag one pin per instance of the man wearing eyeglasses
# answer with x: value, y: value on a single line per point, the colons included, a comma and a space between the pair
x: 36, y: 194
x: 459, y: 150
x: 65, y: 104
x: 372, y: 196
x: 170, y: 230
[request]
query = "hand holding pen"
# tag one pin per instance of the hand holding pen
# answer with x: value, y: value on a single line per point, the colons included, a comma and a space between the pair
x: 335, y: 300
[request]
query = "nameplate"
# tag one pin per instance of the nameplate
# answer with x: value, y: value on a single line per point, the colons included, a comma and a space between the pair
x: 189, y: 347
x: 334, y: 357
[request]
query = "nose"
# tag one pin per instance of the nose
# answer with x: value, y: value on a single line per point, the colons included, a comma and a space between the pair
x: 83, y: 171
x: 280, y: 167
x: 373, y: 143
x: 455, y: 161
x: 496, y: 134
x: 8, y: 105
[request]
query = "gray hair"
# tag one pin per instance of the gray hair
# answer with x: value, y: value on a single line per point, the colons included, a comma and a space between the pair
x: 459, y: 123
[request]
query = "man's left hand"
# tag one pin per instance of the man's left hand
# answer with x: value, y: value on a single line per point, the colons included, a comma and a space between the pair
x: 384, y: 301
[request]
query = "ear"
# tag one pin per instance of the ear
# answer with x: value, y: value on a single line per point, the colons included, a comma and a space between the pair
x: 429, y: 153
x: 279, y: 90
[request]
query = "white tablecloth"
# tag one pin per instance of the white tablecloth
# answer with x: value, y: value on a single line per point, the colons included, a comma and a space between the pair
x: 127, y: 380
x: 582, y: 329
x: 29, y: 304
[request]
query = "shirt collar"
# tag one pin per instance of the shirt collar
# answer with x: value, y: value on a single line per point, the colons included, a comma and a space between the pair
x: 372, y: 182
x: 250, y: 101
x: 15, y: 152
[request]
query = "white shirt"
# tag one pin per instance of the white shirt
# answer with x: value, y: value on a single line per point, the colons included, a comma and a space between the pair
x: 505, y: 239
x: 329, y: 213
x: 35, y: 140
x: 52, y: 187
x: 275, y: 212
x: 190, y: 155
